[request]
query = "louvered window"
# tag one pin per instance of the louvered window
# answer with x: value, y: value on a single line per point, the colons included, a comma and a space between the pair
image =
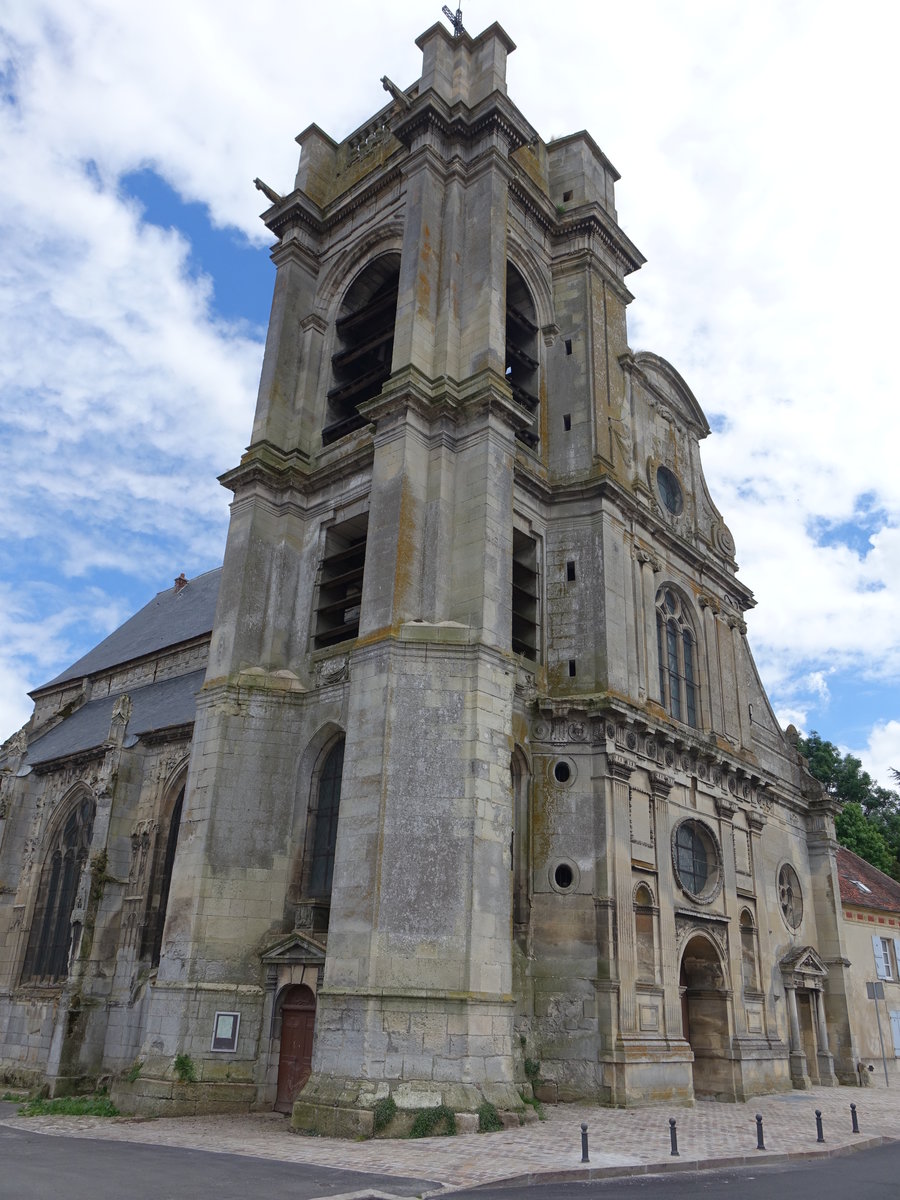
x: 341, y: 582
x: 521, y: 352
x: 365, y: 332
x: 525, y: 596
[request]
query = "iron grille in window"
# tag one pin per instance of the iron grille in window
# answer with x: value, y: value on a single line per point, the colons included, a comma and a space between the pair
x: 525, y: 596
x: 49, y: 941
x: 677, y: 653
x: 324, y: 824
x: 521, y: 352
x: 365, y: 332
x: 341, y: 582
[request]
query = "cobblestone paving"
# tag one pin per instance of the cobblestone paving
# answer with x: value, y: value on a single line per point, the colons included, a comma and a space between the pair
x: 618, y: 1139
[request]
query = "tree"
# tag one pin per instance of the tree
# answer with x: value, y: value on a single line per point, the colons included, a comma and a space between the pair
x: 869, y: 820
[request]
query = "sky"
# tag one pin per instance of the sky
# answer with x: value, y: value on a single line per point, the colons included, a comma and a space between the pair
x: 755, y: 144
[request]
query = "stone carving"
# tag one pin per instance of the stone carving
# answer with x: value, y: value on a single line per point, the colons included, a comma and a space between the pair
x: 577, y: 731
x: 646, y: 556
x: 541, y: 731
x: 711, y: 603
x: 333, y: 670
x: 610, y: 731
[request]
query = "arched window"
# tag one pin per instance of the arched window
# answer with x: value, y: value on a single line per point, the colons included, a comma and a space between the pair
x: 521, y: 844
x: 321, y: 836
x: 644, y: 933
x: 522, y: 351
x: 677, y: 652
x: 49, y: 941
x: 748, y: 952
x: 160, y: 882
x: 365, y: 332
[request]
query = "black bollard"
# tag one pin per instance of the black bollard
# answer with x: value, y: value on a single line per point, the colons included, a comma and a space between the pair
x: 584, y: 1146
x: 853, y: 1118
x: 760, y: 1144
x: 820, y: 1136
x: 674, y: 1138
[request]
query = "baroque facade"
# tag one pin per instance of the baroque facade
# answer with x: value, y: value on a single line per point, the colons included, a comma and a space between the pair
x: 471, y: 765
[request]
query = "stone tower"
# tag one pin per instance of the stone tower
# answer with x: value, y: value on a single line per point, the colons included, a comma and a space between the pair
x: 482, y: 770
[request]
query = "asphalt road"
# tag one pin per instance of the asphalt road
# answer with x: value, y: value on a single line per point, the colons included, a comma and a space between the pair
x: 35, y: 1166
x: 865, y: 1175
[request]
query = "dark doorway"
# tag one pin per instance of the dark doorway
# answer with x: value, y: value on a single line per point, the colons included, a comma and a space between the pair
x: 704, y: 1012
x: 298, y: 1018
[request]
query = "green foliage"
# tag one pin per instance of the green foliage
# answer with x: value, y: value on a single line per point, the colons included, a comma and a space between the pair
x: 434, y: 1122
x: 385, y: 1110
x: 869, y: 820
x: 863, y: 837
x: 532, y: 1070
x: 98, y: 1105
x: 534, y: 1103
x: 134, y: 1070
x: 185, y: 1070
x: 488, y: 1117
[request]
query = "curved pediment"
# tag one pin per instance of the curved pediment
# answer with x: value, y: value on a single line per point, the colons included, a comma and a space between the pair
x: 662, y: 378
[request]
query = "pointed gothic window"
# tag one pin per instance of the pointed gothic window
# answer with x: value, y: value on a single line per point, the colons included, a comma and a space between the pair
x: 321, y: 837
x: 365, y: 345
x: 521, y: 352
x: 160, y: 882
x: 677, y: 655
x: 50, y: 937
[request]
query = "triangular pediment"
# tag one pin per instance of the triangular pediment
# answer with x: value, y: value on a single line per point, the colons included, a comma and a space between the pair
x: 295, y: 948
x: 804, y: 961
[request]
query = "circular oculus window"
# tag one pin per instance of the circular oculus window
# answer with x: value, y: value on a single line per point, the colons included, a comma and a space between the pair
x: 697, y: 861
x: 790, y: 898
x: 669, y: 490
x: 564, y: 876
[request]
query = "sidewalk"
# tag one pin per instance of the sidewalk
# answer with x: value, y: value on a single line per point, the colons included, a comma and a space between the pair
x: 620, y: 1141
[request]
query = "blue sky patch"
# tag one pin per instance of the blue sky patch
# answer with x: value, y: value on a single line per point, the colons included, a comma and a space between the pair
x: 242, y: 275
x: 867, y: 519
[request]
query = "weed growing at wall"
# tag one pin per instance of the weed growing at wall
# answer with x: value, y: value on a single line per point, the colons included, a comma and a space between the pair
x: 434, y: 1122
x: 185, y: 1070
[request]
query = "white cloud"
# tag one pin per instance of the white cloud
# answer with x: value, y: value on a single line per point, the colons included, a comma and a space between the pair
x: 752, y: 145
x: 882, y: 752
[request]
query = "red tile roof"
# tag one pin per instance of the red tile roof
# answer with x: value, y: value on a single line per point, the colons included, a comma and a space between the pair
x: 864, y: 885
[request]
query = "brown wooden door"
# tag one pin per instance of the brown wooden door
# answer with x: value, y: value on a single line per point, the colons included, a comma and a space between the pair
x: 298, y: 1016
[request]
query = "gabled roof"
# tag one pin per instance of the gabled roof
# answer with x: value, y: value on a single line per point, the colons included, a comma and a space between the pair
x: 864, y: 885
x: 160, y: 705
x: 171, y: 617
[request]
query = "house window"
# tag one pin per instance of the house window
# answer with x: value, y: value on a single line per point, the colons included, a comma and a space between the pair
x: 521, y: 352
x: 677, y: 653
x: 50, y: 937
x: 365, y: 334
x: 895, y: 1032
x: 323, y: 822
x: 341, y: 582
x: 887, y: 956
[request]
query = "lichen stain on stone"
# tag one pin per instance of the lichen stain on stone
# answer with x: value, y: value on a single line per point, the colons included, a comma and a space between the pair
x: 423, y: 284
x: 542, y: 825
x: 406, y: 554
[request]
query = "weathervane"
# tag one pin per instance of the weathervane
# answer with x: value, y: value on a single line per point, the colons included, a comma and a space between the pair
x: 455, y: 20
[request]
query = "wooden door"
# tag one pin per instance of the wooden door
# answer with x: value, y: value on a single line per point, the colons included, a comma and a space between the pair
x: 298, y: 1016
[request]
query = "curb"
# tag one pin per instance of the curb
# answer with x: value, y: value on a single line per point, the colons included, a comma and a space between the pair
x: 663, y: 1167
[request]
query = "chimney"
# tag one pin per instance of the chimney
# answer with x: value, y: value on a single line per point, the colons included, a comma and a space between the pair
x: 180, y: 583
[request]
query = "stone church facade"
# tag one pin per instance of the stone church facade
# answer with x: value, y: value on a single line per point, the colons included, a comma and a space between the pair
x: 462, y: 760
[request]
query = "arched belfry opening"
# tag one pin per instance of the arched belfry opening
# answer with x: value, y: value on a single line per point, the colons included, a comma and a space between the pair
x: 522, y: 352
x: 704, y: 1017
x: 364, y: 345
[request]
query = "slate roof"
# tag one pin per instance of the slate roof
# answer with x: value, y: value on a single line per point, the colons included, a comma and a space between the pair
x: 170, y: 618
x: 160, y: 705
x: 878, y: 890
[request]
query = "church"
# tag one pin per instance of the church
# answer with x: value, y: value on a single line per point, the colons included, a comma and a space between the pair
x: 457, y: 781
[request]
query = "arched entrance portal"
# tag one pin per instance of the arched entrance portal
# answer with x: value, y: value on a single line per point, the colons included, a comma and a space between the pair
x: 704, y: 1017
x: 298, y: 1016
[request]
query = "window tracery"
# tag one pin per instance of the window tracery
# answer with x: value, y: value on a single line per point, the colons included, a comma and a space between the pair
x: 676, y: 648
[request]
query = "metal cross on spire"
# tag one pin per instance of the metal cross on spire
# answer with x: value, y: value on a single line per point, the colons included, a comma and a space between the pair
x: 455, y: 20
